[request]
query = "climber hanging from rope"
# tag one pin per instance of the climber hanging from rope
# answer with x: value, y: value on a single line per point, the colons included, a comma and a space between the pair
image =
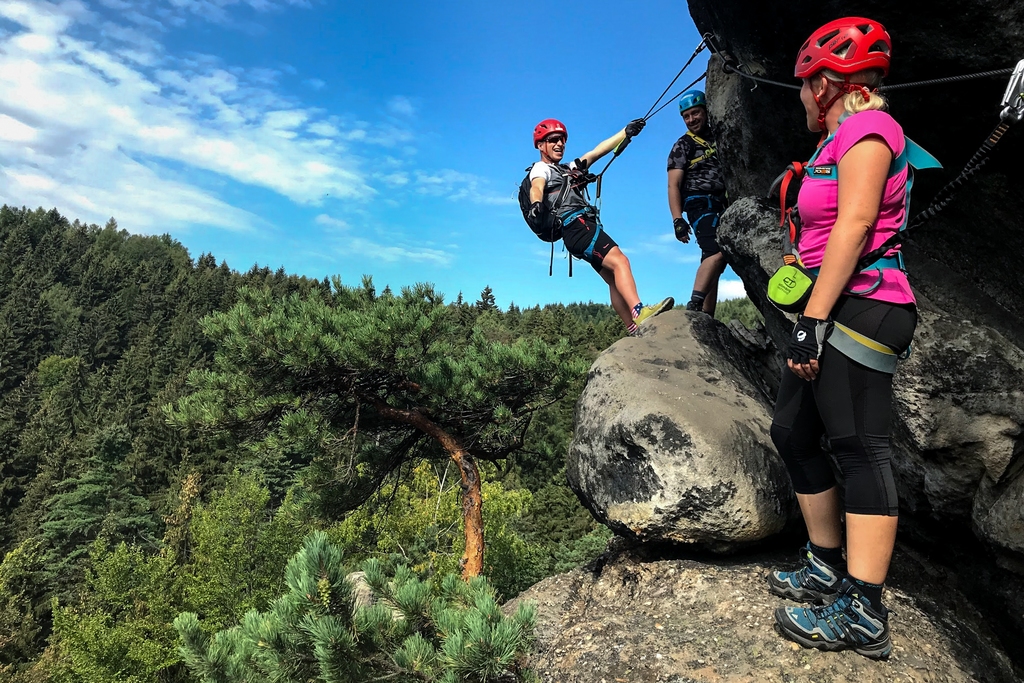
x: 556, y: 206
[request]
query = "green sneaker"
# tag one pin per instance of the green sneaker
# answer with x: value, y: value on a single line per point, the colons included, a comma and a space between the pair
x: 648, y: 312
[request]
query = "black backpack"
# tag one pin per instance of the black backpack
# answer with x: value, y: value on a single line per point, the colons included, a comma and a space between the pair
x: 548, y: 228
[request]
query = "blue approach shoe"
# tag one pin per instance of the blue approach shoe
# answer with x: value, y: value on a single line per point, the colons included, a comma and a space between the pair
x: 814, y: 581
x: 850, y: 622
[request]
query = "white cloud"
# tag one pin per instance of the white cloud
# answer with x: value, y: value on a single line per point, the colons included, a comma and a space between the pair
x: 323, y: 128
x: 456, y: 185
x: 176, y: 12
x: 401, y: 106
x: 94, y: 119
x: 331, y: 222
x: 731, y: 289
x: 393, y: 253
x: 394, y: 179
x: 99, y: 120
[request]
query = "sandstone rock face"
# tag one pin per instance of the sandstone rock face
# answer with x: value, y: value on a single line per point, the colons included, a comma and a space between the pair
x: 672, y: 442
x: 676, y: 620
x: 980, y: 236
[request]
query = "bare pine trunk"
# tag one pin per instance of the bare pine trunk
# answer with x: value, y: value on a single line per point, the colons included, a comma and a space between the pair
x: 472, y: 562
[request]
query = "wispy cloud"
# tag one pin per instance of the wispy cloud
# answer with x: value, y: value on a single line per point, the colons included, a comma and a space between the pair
x: 401, y: 106
x: 331, y: 222
x: 99, y: 120
x: 393, y: 253
x: 109, y: 122
x: 176, y: 12
x: 456, y: 185
x: 667, y: 247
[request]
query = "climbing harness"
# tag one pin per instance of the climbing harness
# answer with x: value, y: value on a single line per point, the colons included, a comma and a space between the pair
x: 551, y: 226
x: 864, y: 350
x: 708, y: 147
x: 790, y: 287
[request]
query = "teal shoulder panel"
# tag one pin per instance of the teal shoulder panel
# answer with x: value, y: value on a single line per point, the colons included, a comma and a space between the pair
x: 919, y: 157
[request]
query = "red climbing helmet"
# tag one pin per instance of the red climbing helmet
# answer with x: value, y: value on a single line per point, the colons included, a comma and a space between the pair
x: 546, y: 128
x: 846, y: 46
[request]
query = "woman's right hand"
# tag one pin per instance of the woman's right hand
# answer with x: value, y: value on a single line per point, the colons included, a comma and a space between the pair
x: 805, y: 346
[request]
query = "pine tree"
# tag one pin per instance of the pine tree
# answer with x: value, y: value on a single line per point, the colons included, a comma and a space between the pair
x: 99, y: 501
x: 359, y: 383
x: 445, y: 631
x: 486, y: 301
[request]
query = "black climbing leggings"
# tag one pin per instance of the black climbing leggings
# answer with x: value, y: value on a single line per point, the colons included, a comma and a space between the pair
x: 850, y: 403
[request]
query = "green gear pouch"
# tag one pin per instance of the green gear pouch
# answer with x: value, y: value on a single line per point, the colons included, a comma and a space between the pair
x: 790, y: 287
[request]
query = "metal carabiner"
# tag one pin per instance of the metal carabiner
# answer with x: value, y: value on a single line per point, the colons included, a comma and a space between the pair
x: 1013, y: 100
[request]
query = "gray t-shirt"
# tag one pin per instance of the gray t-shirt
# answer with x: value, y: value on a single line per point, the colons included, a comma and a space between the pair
x: 557, y: 197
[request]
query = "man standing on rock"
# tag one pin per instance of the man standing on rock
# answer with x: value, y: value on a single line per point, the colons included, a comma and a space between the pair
x: 696, y: 187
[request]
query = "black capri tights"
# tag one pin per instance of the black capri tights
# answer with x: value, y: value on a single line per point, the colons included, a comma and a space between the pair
x: 851, y: 404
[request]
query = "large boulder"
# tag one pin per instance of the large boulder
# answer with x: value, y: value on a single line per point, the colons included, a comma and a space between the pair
x: 672, y: 441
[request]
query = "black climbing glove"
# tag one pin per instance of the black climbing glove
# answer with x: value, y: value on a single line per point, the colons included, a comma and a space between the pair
x: 682, y: 229
x: 634, y: 127
x: 808, y: 339
x: 535, y: 213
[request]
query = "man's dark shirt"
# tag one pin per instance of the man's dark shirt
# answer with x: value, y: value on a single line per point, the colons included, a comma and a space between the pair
x: 704, y: 177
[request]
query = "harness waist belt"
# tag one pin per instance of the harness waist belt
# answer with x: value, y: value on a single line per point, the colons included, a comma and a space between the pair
x: 861, y: 349
x: 569, y: 218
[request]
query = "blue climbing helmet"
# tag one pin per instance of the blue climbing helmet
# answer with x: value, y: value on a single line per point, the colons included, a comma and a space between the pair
x: 691, y: 99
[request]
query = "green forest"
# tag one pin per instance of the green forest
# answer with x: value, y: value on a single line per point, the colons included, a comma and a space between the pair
x: 194, y: 459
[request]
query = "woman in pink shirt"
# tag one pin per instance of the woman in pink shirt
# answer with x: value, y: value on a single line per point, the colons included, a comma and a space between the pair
x: 850, y: 202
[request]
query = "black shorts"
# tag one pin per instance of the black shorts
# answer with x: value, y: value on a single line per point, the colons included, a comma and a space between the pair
x: 703, y: 212
x: 585, y: 239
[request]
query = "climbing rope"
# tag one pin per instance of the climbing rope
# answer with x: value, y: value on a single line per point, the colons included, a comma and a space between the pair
x: 650, y: 113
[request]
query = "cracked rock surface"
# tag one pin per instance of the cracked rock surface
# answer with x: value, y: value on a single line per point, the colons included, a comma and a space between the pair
x: 633, y: 616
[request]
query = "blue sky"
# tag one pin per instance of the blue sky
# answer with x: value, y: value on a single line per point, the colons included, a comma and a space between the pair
x: 385, y: 138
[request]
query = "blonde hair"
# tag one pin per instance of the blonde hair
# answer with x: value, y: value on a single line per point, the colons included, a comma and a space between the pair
x: 854, y: 102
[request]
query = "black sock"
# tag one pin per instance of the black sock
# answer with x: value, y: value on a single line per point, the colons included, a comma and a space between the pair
x: 871, y: 591
x: 833, y: 557
x: 698, y: 297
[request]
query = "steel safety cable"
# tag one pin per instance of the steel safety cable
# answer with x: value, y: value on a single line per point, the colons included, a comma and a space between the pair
x: 729, y: 68
x: 948, y: 79
x: 942, y: 198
